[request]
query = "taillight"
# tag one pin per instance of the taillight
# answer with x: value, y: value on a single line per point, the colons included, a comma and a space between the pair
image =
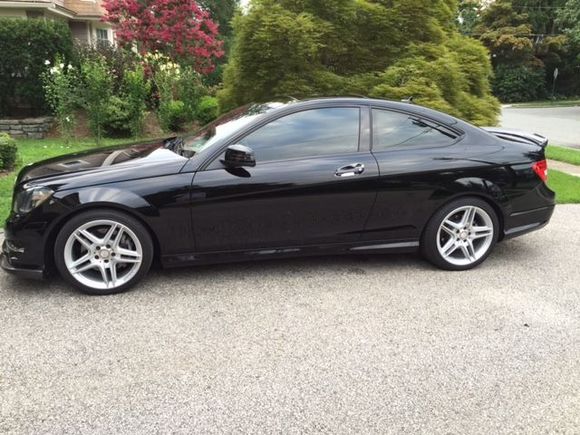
x: 541, y: 169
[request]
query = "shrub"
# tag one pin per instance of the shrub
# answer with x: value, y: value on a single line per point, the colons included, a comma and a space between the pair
x: 7, y: 151
x: 172, y: 115
x: 25, y: 46
x: 190, y: 90
x: 137, y: 90
x: 117, y: 117
x: 517, y: 83
x: 207, y: 110
x: 61, y: 92
x: 97, y: 90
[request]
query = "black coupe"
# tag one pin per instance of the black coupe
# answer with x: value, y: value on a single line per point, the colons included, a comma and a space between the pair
x: 324, y: 176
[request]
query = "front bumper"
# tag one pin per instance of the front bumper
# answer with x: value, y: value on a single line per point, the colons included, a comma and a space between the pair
x: 29, y: 273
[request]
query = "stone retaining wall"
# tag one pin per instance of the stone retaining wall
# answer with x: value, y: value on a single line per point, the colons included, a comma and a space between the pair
x: 28, y: 128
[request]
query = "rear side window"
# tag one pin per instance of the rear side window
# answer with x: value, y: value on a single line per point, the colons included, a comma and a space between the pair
x: 309, y: 133
x: 393, y: 129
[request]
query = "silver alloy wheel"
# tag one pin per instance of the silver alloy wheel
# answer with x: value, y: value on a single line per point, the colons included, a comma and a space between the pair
x: 103, y: 254
x: 465, y: 235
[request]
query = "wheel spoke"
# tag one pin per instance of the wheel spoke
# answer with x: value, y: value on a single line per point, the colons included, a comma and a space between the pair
x: 117, y: 240
x: 113, y: 270
x: 465, y: 252
x: 81, y: 265
x: 104, y: 275
x: 448, y: 230
x: 450, y: 247
x: 89, y: 236
x: 109, y: 235
x: 471, y: 250
x: 479, y: 232
x: 83, y: 240
x: 468, y: 217
x: 127, y: 256
x: 450, y: 224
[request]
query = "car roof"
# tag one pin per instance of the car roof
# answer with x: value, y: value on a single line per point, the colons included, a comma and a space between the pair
x: 374, y: 102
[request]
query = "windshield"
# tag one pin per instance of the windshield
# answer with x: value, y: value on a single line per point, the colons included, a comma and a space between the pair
x: 227, y: 124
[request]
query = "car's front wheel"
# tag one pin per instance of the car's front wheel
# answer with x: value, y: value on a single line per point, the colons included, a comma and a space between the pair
x: 103, y: 252
x: 461, y: 235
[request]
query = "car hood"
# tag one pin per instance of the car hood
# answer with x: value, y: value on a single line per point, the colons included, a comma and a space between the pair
x: 123, y: 160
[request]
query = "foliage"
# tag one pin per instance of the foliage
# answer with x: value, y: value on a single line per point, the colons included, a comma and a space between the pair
x: 526, y: 35
x: 172, y: 115
x: 207, y: 110
x: 97, y: 90
x: 179, y: 90
x: 568, y: 17
x: 136, y: 88
x: 8, y: 151
x: 61, y: 83
x: 469, y: 16
x: 515, y: 83
x: 392, y: 49
x: 117, y: 117
x: 25, y: 46
x: 179, y: 28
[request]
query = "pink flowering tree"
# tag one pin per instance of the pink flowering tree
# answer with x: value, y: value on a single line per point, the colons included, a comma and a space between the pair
x: 180, y: 29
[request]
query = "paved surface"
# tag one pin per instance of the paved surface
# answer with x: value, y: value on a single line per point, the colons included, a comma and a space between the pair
x: 559, y: 124
x: 380, y: 344
x: 564, y: 167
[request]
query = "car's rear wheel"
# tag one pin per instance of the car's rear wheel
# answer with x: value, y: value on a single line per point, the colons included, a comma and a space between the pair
x: 461, y: 235
x: 103, y: 252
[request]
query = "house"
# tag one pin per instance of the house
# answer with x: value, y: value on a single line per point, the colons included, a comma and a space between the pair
x: 83, y: 16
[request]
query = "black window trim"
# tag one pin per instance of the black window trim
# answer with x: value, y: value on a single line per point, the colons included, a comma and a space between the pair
x: 364, y: 137
x: 437, y: 125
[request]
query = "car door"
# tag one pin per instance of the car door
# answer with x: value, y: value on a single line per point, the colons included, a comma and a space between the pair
x: 313, y: 183
x: 417, y: 157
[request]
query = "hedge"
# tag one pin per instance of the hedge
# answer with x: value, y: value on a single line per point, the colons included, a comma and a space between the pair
x: 25, y: 45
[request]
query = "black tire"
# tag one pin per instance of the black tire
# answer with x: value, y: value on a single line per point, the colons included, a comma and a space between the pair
x: 112, y: 215
x: 429, y: 239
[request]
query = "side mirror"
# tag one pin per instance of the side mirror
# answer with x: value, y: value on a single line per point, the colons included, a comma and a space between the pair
x: 238, y: 156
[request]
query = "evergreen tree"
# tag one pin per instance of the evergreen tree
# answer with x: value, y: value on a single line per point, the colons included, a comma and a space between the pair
x: 380, y: 48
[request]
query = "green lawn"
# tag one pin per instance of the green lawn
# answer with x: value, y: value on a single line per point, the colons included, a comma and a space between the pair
x: 548, y: 103
x: 567, y: 187
x: 30, y: 151
x: 563, y: 154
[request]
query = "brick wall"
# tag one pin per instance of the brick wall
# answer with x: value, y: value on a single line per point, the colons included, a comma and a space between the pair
x: 28, y: 128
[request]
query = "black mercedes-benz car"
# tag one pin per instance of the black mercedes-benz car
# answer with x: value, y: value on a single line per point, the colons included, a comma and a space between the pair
x: 315, y: 177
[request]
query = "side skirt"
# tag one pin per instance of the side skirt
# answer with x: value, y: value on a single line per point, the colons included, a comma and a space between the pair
x: 216, y: 257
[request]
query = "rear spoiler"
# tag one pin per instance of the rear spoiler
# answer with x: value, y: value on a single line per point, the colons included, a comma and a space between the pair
x: 518, y: 136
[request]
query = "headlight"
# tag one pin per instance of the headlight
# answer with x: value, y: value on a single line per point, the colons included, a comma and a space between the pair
x: 29, y: 199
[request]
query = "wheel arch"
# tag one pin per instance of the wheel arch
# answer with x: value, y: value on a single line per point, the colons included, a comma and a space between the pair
x: 100, y: 206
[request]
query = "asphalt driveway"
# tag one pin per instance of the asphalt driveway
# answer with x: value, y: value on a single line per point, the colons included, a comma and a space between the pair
x: 379, y: 344
x: 559, y: 124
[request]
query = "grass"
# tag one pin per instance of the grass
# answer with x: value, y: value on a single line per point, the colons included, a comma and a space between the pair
x: 30, y: 151
x: 563, y: 154
x: 567, y: 187
x: 548, y: 103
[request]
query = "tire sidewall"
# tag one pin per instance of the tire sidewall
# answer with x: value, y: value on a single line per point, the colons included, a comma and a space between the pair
x: 78, y: 220
x: 429, y: 239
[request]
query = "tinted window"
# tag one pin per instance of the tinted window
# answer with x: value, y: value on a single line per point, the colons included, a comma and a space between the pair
x: 392, y: 128
x: 304, y: 134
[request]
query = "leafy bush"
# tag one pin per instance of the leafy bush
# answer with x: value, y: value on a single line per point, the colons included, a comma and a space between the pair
x: 61, y: 87
x: 137, y: 89
x: 97, y: 89
x: 117, y: 117
x: 173, y: 114
x: 207, y: 110
x: 517, y: 83
x: 7, y: 151
x: 25, y: 46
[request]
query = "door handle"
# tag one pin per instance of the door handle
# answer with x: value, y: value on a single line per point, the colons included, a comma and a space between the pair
x: 350, y: 170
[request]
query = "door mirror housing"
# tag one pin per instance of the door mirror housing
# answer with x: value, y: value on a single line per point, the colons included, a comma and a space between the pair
x: 238, y: 156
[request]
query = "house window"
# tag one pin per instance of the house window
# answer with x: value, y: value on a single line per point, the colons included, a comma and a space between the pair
x: 34, y: 14
x: 103, y: 37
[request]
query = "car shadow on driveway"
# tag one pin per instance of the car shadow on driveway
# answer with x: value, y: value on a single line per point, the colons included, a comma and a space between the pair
x: 277, y: 272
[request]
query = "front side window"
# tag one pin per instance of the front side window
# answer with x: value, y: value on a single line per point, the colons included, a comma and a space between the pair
x: 308, y: 133
x: 392, y: 129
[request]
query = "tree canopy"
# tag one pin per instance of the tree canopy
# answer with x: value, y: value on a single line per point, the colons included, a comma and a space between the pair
x: 381, y: 48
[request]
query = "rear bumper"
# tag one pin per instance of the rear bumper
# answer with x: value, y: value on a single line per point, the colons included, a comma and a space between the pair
x: 521, y: 223
x: 37, y: 274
